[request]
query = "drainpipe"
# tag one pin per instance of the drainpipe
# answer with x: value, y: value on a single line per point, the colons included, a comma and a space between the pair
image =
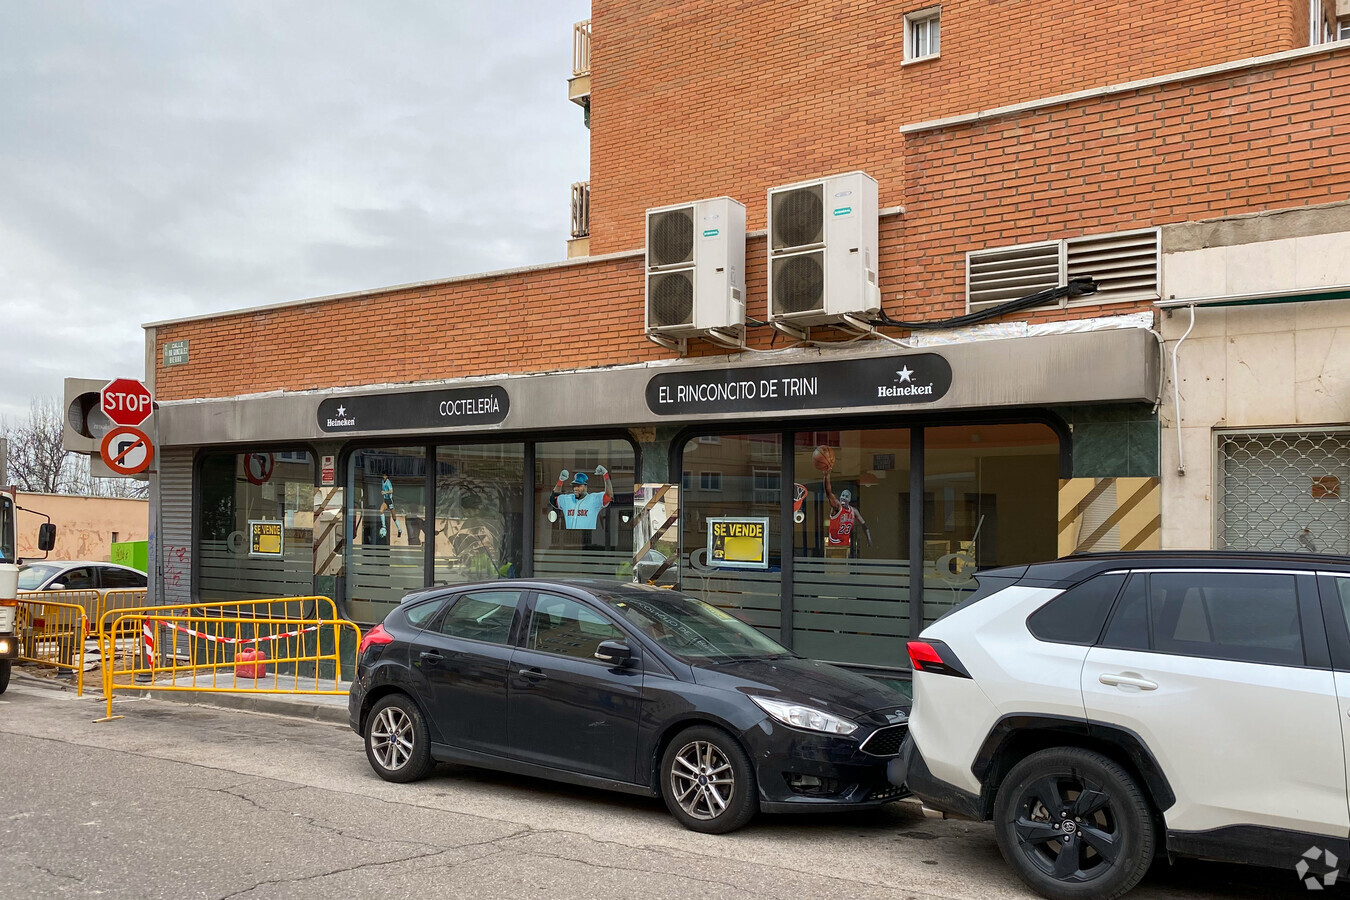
x: 1176, y: 391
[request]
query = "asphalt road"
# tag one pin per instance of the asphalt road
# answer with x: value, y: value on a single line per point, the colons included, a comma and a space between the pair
x: 180, y: 801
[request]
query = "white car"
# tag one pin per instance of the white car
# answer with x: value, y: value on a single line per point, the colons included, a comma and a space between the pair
x: 77, y: 575
x: 1105, y: 710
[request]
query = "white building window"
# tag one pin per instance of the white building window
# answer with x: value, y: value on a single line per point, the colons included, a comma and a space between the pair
x: 1343, y: 28
x: 922, y: 34
x: 709, y: 481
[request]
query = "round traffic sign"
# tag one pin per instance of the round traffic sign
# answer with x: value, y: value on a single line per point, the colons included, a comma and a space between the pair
x: 127, y: 450
x: 126, y: 401
x: 258, y: 467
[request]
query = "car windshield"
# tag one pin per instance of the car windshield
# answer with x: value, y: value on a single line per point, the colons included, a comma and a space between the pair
x: 692, y: 630
x: 31, y: 577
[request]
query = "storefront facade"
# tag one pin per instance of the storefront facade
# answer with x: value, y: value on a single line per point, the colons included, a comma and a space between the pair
x: 781, y: 493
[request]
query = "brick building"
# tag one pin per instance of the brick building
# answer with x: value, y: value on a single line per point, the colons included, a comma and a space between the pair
x: 1191, y: 161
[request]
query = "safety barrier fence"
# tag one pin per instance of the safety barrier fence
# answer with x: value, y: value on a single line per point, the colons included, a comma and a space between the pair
x: 94, y: 603
x: 51, y: 634
x: 270, y: 646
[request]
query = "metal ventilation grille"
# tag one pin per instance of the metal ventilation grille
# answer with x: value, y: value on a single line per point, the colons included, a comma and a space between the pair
x: 996, y: 276
x: 799, y: 283
x: 670, y: 237
x: 670, y: 299
x: 1124, y: 265
x: 1285, y: 491
x: 798, y: 217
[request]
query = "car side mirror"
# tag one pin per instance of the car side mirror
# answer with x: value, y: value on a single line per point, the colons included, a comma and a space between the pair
x: 614, y: 653
x: 46, y: 537
x: 56, y: 586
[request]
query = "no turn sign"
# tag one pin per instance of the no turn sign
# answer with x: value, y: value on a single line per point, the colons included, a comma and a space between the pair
x: 127, y: 450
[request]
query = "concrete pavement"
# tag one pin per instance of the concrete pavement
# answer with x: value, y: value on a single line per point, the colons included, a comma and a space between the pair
x: 178, y: 800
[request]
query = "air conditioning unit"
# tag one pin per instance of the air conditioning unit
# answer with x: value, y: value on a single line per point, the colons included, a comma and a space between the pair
x: 696, y: 272
x: 823, y: 253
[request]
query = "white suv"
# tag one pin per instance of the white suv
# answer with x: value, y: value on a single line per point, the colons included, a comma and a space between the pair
x: 1105, y: 709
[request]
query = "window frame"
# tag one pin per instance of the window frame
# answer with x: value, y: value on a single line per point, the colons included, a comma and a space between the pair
x: 706, y: 480
x: 922, y: 18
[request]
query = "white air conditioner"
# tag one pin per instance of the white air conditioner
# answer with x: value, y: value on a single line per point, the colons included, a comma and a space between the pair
x: 696, y: 272
x: 823, y: 252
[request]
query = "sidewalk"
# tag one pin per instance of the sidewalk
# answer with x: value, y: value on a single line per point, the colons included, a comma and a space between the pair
x: 329, y: 708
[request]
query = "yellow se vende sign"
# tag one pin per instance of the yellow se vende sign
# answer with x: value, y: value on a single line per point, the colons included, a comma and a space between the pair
x: 738, y: 543
x: 264, y: 539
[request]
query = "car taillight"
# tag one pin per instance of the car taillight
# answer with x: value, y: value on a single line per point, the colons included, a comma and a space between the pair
x: 374, y: 636
x: 935, y: 657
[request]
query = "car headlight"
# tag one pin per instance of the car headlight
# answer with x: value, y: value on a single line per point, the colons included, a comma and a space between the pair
x: 807, y: 717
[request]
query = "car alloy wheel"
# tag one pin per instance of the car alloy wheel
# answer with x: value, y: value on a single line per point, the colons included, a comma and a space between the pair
x: 397, y: 744
x: 708, y: 781
x: 702, y: 780
x: 1074, y: 824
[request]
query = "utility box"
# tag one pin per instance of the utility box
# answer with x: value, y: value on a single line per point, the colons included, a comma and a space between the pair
x: 135, y: 554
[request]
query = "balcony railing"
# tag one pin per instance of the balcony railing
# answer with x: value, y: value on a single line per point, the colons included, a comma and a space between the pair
x: 581, y: 209
x: 581, y: 48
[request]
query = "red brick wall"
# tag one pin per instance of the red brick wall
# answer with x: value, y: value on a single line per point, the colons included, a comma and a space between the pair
x: 564, y: 317
x: 1277, y: 136
x: 699, y: 98
x: 1272, y: 137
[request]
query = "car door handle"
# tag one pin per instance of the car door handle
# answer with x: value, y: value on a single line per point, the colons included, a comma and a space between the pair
x: 532, y: 674
x: 1128, y: 679
x: 432, y: 658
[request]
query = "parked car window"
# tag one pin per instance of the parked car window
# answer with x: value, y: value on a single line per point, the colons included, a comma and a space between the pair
x: 693, y: 630
x: 80, y: 579
x: 113, y: 577
x: 1077, y: 615
x: 482, y: 616
x: 420, y: 614
x: 564, y: 626
x: 1238, y: 616
x: 1129, y: 626
x: 1343, y: 589
x: 32, y: 576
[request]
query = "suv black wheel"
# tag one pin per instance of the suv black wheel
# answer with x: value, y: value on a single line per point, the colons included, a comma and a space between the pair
x: 397, y: 743
x: 5, y: 666
x: 1073, y: 825
x: 708, y: 782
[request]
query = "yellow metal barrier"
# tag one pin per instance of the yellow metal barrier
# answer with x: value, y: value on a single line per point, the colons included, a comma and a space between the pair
x: 213, y: 648
x: 310, y: 607
x: 52, y: 634
x: 115, y: 599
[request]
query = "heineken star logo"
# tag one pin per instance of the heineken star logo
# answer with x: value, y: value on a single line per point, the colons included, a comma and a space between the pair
x: 903, y: 375
x: 342, y: 410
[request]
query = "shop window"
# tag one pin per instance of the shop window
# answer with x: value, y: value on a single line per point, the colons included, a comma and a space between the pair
x: 1282, y: 490
x: 388, y: 502
x: 745, y: 465
x: 990, y: 499
x: 851, y: 546
x: 256, y: 526
x: 480, y: 501
x: 583, y: 508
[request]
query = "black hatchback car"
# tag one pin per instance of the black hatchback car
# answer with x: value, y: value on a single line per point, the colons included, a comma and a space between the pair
x: 621, y: 686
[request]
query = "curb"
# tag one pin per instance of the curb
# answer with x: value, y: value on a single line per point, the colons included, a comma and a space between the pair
x: 327, y: 713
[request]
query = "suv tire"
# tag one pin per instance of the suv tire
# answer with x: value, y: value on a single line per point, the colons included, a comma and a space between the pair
x: 5, y: 666
x: 1070, y: 800
x: 708, y: 782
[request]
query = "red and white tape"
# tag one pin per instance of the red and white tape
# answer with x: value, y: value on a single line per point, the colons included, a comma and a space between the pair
x: 219, y: 639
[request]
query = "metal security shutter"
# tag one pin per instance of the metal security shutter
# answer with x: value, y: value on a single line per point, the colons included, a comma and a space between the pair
x: 175, y: 535
x: 1286, y: 490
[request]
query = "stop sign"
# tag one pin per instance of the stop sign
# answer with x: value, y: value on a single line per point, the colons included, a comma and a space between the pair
x: 126, y: 401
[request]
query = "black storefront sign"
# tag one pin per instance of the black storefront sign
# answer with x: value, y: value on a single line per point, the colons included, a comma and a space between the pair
x: 457, y: 408
x: 843, y: 384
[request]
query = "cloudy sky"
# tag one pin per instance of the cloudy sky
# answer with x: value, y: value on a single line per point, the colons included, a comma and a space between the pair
x: 164, y: 159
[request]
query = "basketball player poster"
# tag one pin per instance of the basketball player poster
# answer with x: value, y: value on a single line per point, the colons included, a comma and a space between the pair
x: 844, y: 516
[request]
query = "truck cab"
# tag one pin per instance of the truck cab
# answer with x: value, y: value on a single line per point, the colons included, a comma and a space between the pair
x: 9, y: 580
